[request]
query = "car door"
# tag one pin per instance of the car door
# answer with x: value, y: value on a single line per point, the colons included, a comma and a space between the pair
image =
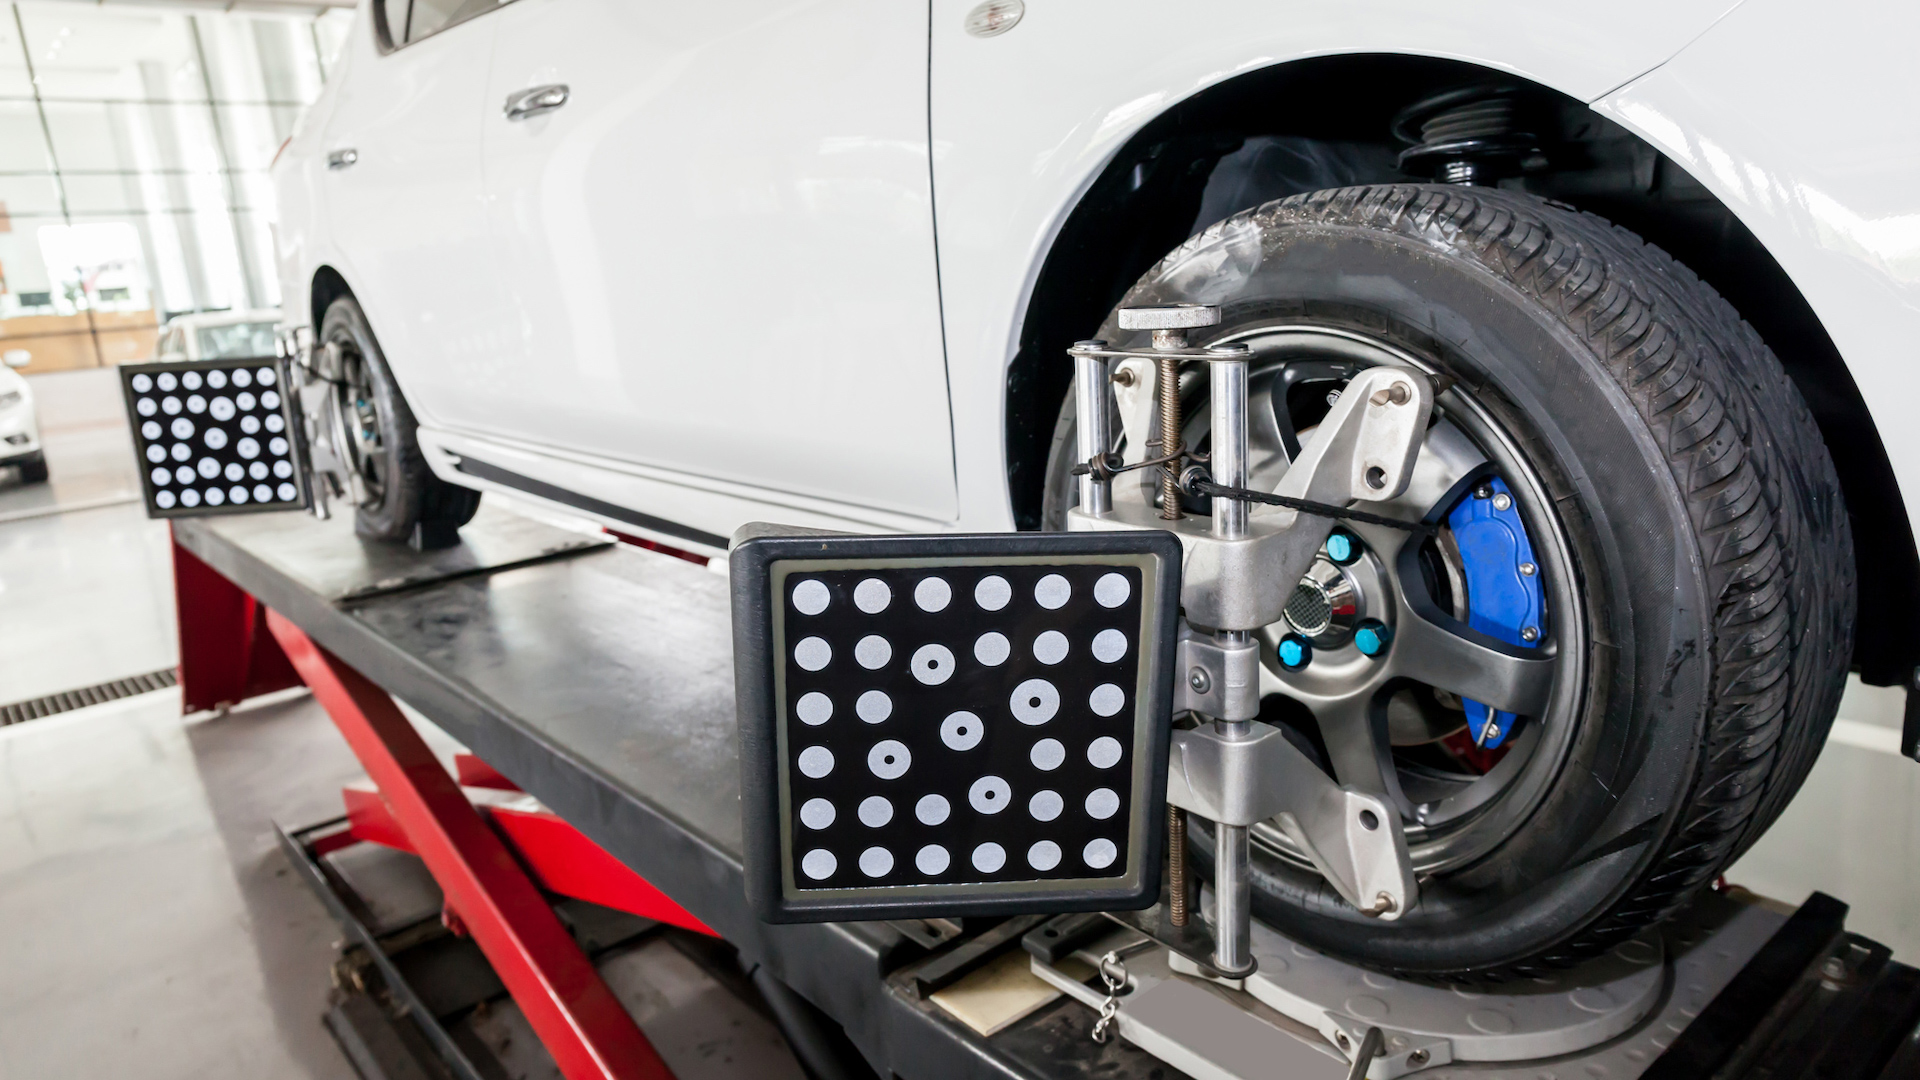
x: 717, y: 241
x: 405, y: 201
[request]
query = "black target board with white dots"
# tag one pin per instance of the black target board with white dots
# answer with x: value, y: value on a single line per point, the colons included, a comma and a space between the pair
x: 954, y: 725
x: 214, y: 437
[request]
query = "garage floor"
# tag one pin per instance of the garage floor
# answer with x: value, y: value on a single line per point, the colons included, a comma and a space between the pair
x: 151, y: 927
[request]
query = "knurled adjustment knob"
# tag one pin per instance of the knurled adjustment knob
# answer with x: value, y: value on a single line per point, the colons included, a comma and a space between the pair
x: 1169, y: 317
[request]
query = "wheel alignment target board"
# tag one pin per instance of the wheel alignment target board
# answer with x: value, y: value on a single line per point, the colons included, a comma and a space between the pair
x: 946, y: 725
x: 214, y: 437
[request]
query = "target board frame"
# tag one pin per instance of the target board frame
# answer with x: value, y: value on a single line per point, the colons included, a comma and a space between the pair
x: 954, y: 725
x: 206, y: 395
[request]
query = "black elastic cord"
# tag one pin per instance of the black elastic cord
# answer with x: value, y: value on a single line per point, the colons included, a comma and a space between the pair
x: 1210, y: 489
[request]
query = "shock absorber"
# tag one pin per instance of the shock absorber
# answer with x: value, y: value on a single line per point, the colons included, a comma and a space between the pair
x: 1471, y: 135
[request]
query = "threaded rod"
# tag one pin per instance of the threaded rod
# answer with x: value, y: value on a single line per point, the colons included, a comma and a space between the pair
x: 1169, y: 367
x: 1176, y: 866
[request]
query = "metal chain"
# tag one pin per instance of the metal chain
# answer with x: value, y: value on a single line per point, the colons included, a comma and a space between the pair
x: 1113, y: 972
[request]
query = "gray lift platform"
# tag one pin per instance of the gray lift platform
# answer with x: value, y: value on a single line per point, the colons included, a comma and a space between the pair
x: 599, y: 679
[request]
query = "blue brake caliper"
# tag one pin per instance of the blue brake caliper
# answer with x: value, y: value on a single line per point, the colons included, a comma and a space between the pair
x: 1502, y: 601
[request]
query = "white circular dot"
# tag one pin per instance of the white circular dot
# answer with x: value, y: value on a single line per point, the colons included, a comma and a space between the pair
x: 1103, y: 803
x: 247, y: 448
x: 818, y: 864
x: 1044, y: 855
x: 170, y: 405
x: 142, y: 383
x: 164, y: 500
x: 257, y: 470
x: 277, y: 446
x: 932, y: 809
x: 873, y: 706
x: 1046, y: 805
x: 161, y: 477
x: 1050, y: 647
x: 269, y: 400
x: 889, y: 759
x: 265, y: 375
x: 814, y: 708
x: 989, y: 857
x: 816, y: 762
x: 182, y: 428
x: 245, y: 401
x: 962, y: 731
x: 933, y: 594
x: 288, y: 492
x: 932, y: 859
x: 1035, y: 702
x: 812, y: 653
x: 145, y: 406
x: 872, y: 596
x: 150, y: 429
x: 190, y: 380
x: 216, y: 379
x: 1100, y: 853
x: 191, y: 498
x: 215, y: 496
x: 234, y: 471
x: 283, y: 469
x: 992, y: 593
x: 181, y: 451
x: 1047, y: 755
x: 1106, y: 699
x: 816, y: 813
x: 989, y: 795
x: 221, y: 408
x: 1109, y: 646
x: 262, y: 493
x: 156, y: 453
x: 932, y: 664
x: 215, y: 438
x: 810, y: 597
x: 1104, y: 752
x: 166, y: 381
x: 1111, y: 590
x: 274, y: 423
x: 872, y: 652
x: 250, y: 424
x: 184, y: 474
x: 208, y: 468
x: 242, y: 377
x: 1052, y: 592
x: 196, y: 404
x: 875, y: 811
x: 992, y: 649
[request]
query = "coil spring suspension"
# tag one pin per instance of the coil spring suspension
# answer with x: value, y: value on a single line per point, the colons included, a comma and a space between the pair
x: 1471, y: 135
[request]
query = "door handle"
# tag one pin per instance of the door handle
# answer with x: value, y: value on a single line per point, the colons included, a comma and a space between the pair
x: 342, y: 159
x: 540, y: 99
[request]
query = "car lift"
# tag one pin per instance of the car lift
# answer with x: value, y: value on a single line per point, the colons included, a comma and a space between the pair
x: 598, y: 677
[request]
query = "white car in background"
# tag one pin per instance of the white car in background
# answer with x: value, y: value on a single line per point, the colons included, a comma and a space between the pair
x: 220, y: 335
x: 19, y: 424
x: 681, y: 267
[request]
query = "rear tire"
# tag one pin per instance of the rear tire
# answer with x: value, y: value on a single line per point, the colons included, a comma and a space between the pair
x: 402, y: 498
x: 1710, y: 549
x: 34, y: 470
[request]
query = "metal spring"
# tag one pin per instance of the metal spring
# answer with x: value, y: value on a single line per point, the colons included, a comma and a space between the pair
x: 1176, y: 866
x: 1170, y: 441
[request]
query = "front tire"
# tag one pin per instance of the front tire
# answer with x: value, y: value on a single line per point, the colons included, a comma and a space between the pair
x: 400, y: 497
x: 1697, y: 558
x: 33, y: 470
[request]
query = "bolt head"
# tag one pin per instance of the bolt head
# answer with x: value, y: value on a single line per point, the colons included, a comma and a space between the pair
x: 1530, y: 634
x: 1372, y: 637
x: 1418, y: 1057
x: 1503, y: 502
x: 1198, y: 679
x: 1294, y: 651
x: 1483, y: 492
x: 1343, y: 547
x: 1527, y: 569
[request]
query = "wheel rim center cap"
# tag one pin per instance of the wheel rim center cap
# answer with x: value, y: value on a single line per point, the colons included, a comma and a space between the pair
x: 1325, y: 606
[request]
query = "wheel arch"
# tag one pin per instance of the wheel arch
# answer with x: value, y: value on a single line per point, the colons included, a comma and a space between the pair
x: 1191, y: 165
x: 328, y: 285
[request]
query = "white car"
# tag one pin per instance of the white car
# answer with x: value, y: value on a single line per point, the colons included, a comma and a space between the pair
x: 19, y: 424
x: 220, y: 335
x: 681, y: 267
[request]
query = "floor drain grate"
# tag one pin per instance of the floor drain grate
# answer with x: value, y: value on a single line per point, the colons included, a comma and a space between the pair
x: 68, y: 700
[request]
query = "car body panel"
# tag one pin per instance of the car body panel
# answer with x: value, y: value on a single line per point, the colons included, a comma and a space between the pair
x: 1822, y: 166
x: 19, y: 422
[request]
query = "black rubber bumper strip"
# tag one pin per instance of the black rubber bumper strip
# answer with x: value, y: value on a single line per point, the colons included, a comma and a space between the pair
x: 483, y: 471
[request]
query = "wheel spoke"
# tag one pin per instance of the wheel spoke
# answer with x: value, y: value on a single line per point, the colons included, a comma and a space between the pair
x: 1357, y: 744
x: 1444, y: 653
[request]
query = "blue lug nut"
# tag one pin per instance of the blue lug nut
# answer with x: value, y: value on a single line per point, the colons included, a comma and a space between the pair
x: 1343, y: 547
x: 1295, y: 652
x: 1372, y: 637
